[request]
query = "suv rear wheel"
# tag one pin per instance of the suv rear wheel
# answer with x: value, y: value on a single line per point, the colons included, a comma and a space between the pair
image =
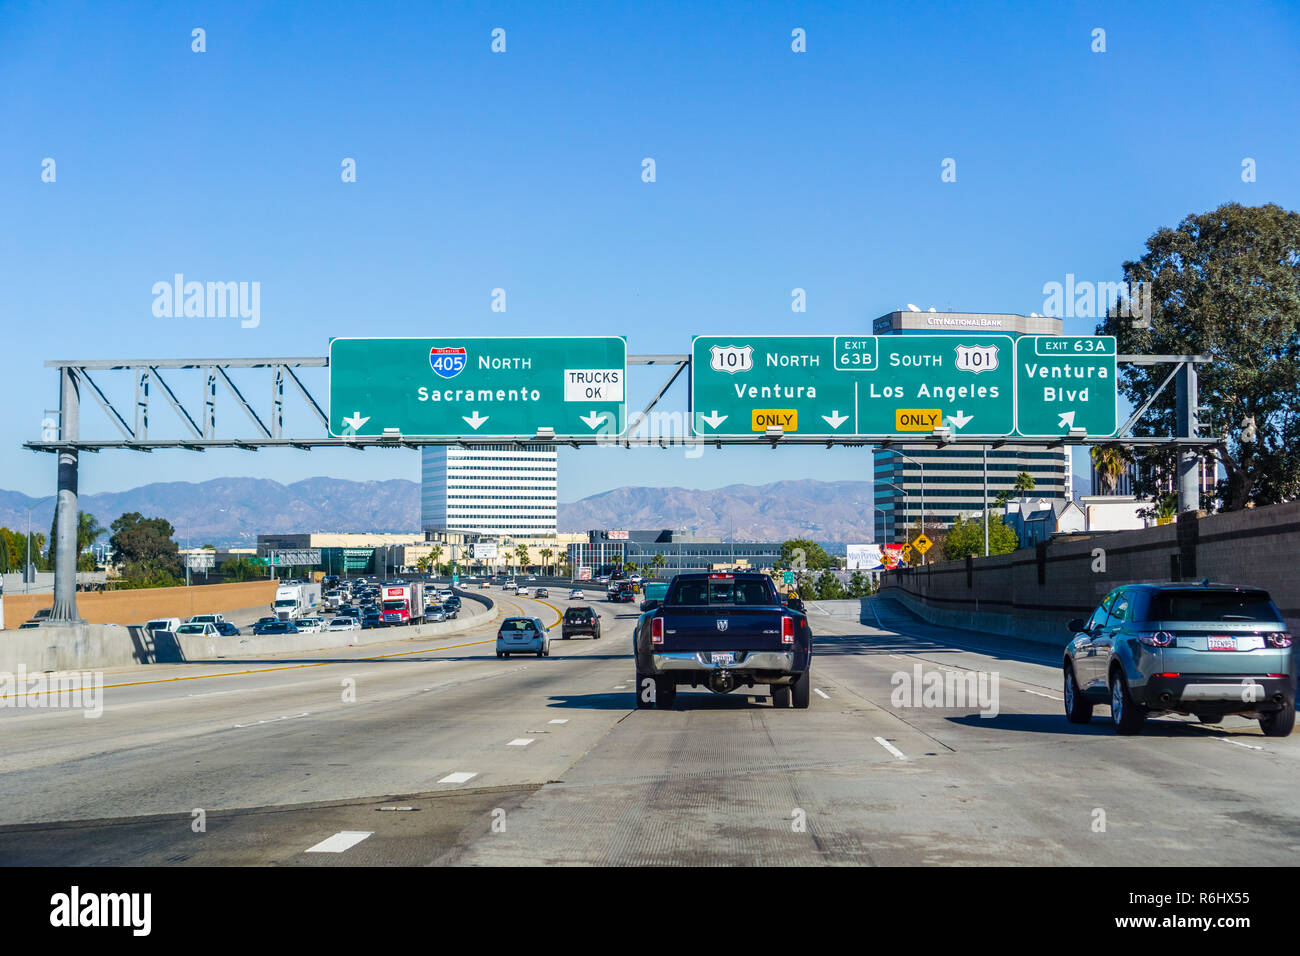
x: 780, y: 695
x: 1279, y: 723
x: 1126, y: 714
x: 1077, y: 708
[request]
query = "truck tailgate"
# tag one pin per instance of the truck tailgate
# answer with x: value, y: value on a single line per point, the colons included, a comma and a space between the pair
x: 722, y: 629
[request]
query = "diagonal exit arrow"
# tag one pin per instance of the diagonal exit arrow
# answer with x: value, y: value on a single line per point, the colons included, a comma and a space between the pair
x: 835, y: 419
x: 1067, y: 419
x: 715, y: 419
x: 594, y: 419
x: 475, y: 420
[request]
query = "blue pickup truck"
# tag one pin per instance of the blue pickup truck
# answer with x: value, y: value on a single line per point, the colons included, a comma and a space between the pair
x: 723, y: 631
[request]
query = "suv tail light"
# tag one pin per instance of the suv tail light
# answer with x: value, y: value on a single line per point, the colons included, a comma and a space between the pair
x: 657, y: 630
x: 787, y: 630
x: 1156, y: 638
x: 1278, y: 639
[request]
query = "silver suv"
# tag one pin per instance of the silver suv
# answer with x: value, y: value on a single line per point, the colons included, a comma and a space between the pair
x: 1206, y: 650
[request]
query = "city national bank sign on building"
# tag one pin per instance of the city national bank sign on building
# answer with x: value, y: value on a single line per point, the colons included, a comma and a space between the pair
x: 825, y: 386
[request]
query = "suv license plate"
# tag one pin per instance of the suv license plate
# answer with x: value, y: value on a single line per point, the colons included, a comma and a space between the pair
x: 724, y: 657
x: 1223, y: 643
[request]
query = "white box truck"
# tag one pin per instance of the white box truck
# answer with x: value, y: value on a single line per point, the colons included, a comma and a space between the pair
x: 293, y: 601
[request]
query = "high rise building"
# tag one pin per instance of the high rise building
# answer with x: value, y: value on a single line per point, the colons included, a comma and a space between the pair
x: 490, y: 489
x: 952, y: 480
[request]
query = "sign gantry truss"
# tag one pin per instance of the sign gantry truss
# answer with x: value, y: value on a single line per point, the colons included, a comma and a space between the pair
x: 154, y: 378
x: 199, y: 426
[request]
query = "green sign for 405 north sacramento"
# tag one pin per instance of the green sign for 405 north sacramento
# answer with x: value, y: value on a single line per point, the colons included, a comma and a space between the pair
x: 491, y: 387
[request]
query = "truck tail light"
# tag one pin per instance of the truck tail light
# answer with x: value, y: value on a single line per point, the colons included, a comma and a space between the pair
x: 721, y: 577
x: 657, y: 630
x: 1156, y: 638
x: 1280, y: 639
x: 787, y: 630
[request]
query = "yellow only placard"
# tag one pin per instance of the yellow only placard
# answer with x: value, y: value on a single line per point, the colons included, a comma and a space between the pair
x: 917, y: 419
x: 787, y: 419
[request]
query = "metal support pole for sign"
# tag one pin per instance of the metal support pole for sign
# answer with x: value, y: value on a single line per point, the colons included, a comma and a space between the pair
x: 1189, y: 471
x: 65, y: 513
x: 986, y: 501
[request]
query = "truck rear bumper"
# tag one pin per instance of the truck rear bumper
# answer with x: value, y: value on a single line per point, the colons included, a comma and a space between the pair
x: 744, y: 661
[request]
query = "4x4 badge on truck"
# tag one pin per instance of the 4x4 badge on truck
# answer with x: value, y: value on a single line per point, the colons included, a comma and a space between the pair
x: 722, y: 623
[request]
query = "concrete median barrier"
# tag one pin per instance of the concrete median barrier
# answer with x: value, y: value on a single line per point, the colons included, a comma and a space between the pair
x: 89, y: 646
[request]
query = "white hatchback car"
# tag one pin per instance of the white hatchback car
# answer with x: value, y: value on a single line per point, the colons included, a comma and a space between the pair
x: 344, y: 624
x: 523, y: 635
x: 576, y: 595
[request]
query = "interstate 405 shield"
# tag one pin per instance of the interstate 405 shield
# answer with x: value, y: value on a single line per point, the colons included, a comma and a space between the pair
x: 484, y: 387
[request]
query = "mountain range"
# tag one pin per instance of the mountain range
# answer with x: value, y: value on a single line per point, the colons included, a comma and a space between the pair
x: 231, y: 512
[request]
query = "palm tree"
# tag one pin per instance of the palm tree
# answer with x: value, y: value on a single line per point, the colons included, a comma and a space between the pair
x: 546, y: 557
x: 1024, y: 483
x: 435, y: 553
x: 658, y: 561
x: 521, y: 552
x: 1111, y: 464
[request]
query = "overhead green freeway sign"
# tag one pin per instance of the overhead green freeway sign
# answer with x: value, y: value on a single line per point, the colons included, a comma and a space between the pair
x: 836, y: 385
x: 1065, y: 382
x: 490, y: 387
x: 844, y: 385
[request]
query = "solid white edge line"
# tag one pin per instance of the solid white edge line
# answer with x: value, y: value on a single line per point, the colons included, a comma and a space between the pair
x: 1240, y: 744
x: 891, y: 748
x: 341, y: 841
x: 821, y: 693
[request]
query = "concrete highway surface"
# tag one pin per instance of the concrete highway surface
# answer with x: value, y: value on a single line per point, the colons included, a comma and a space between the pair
x: 434, y: 751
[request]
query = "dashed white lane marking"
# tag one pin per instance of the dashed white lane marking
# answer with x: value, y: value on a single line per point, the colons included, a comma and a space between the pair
x: 1240, y: 744
x: 459, y: 776
x: 340, y: 842
x: 559, y: 720
x: 891, y: 748
x: 520, y: 742
x: 273, y: 720
x: 821, y: 693
x: 1037, y: 694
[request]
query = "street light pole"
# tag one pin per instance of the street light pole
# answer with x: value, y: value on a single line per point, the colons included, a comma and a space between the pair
x: 922, y: 467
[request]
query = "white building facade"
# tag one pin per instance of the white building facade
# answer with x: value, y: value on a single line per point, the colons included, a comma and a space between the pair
x: 490, y: 489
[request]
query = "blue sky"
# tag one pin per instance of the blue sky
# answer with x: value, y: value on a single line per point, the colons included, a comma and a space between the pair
x: 475, y: 171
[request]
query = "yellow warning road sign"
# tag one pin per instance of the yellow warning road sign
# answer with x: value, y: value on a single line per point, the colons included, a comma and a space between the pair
x: 922, y: 543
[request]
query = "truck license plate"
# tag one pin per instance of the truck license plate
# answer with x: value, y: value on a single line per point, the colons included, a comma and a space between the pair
x: 724, y: 657
x: 1223, y: 643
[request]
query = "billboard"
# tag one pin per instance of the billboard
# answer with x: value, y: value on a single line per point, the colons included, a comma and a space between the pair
x: 485, y: 551
x: 618, y: 536
x: 864, y: 557
x: 584, y: 574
